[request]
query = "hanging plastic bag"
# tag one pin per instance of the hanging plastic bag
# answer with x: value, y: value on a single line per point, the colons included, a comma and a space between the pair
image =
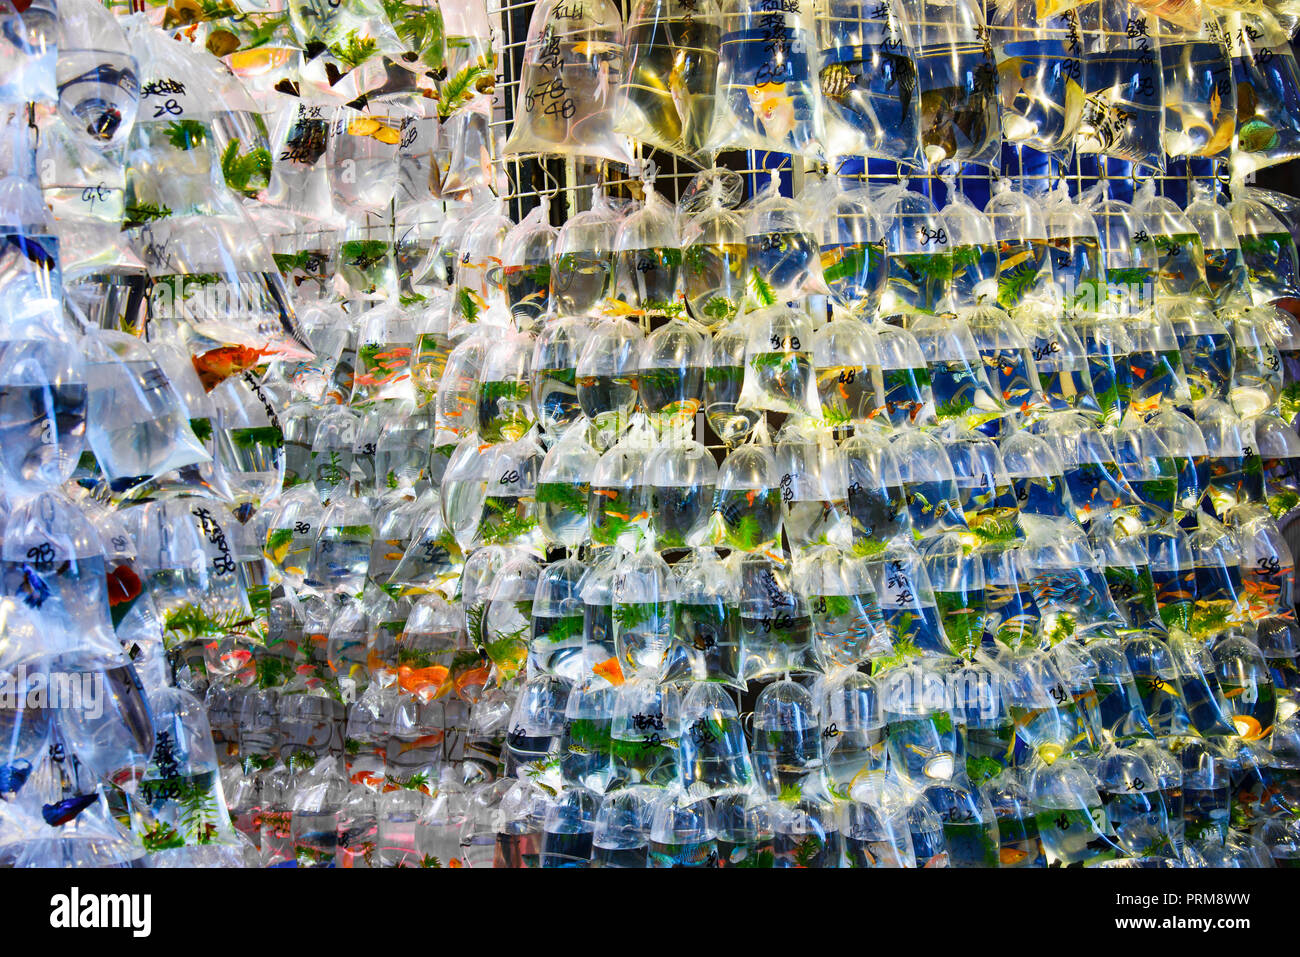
x: 1268, y: 92
x: 564, y: 488
x: 136, y: 424
x: 930, y: 483
x: 648, y: 255
x: 1024, y: 266
x: 361, y: 157
x: 723, y: 381
x: 767, y: 97
x: 1040, y: 73
x: 554, y: 368
x: 526, y: 255
x: 781, y: 247
x: 571, y: 73
x: 957, y: 81
x: 477, y: 295
x: 503, y: 410
x: 707, y: 645
x: 847, y: 359
x: 1268, y: 248
x: 958, y: 382
x: 975, y: 251
x: 775, y: 625
x: 606, y: 377
x: 1128, y: 256
x: 906, y: 395
x: 1175, y: 244
x: 920, y: 256
x: 99, y: 119
x: 715, y: 267
x: 1200, y: 91
x: 667, y: 99
x: 813, y: 487
x: 779, y: 375
x: 868, y: 81
x: 1124, y: 113
x: 582, y: 270
x: 619, y: 504
x: 56, y: 569
x: 1009, y: 363
x: 299, y: 174
x: 471, y: 150
x: 1225, y: 269
x: 343, y: 37
x: 853, y: 258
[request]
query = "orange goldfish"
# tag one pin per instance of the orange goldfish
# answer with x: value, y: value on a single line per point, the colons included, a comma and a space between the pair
x: 217, y: 365
x: 610, y: 670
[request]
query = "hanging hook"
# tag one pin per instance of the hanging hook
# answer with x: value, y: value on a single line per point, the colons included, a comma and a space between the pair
x: 551, y: 185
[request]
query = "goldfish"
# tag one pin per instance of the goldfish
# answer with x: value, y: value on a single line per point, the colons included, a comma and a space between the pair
x: 237, y: 659
x: 369, y: 778
x: 217, y: 365
x: 1248, y: 727
x: 1011, y: 856
x: 610, y: 670
x: 416, y: 680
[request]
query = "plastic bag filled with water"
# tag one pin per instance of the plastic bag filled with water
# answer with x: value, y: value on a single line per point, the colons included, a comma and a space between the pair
x: 670, y: 379
x: 853, y: 260
x: 715, y: 265
x: 957, y: 82
x: 707, y: 645
x: 568, y: 95
x: 606, y: 377
x: 648, y: 257
x: 582, y: 268
x: 667, y: 99
x: 683, y: 478
x: 1123, y: 113
x: 781, y: 246
x: 920, y: 254
x: 974, y: 250
x: 1268, y: 85
x: 526, y: 255
x: 1267, y: 247
x: 1200, y: 90
x: 779, y: 375
x: 97, y: 76
x: 775, y: 623
x: 564, y: 489
x: 767, y: 88
x: 847, y: 358
x: 867, y: 79
x: 1040, y: 73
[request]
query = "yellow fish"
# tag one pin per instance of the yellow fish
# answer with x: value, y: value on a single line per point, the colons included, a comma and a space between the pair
x: 369, y: 126
x: 773, y: 108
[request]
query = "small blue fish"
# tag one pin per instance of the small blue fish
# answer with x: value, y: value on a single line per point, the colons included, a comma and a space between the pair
x: 33, y: 587
x: 64, y: 811
x: 14, y: 776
